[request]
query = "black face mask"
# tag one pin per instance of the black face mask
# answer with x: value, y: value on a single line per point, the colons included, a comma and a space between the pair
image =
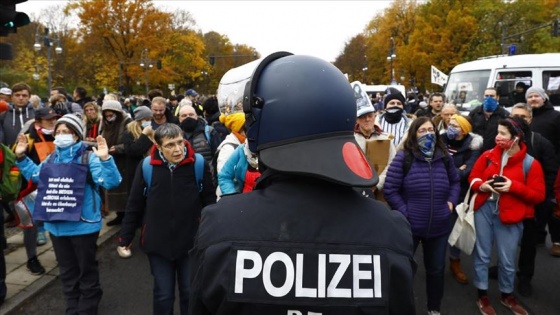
x: 393, y: 115
x: 189, y: 124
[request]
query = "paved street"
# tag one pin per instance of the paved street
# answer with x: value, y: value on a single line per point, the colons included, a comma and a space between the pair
x: 127, y: 288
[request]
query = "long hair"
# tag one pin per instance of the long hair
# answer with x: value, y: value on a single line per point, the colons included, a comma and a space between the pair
x: 411, y: 142
x: 135, y: 129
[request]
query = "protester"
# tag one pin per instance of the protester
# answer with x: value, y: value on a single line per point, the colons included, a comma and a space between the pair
x: 240, y: 173
x: 168, y: 209
x: 74, y: 233
x: 510, y: 184
x: 423, y: 185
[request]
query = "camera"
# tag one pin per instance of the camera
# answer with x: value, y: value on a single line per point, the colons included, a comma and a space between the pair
x: 497, y: 179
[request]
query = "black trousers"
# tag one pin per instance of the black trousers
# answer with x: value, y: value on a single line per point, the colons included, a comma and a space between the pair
x: 528, y: 250
x: 79, y: 272
x: 544, y: 217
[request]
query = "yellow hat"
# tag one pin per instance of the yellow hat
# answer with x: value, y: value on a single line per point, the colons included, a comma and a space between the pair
x: 234, y: 122
x: 465, y: 125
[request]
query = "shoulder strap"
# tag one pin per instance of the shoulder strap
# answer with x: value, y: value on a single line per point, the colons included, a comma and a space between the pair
x: 207, y: 132
x: 147, y: 169
x: 527, y: 162
x: 199, y: 170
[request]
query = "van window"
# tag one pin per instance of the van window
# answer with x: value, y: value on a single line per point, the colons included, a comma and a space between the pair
x: 551, y: 83
x: 466, y: 89
x: 512, y: 85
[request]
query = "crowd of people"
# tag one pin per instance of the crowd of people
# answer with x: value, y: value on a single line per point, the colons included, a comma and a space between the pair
x: 157, y: 162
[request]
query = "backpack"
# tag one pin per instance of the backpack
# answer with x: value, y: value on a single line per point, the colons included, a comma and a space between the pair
x: 148, y: 168
x: 221, y: 129
x: 407, y: 163
x: 10, y: 175
x: 215, y: 161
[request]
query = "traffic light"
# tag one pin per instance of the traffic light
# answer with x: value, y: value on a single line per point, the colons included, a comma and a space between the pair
x: 212, y: 60
x: 555, y: 28
x: 10, y: 19
x: 158, y: 64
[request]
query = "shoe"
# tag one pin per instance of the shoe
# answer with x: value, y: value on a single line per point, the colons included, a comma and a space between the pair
x: 434, y: 313
x: 41, y: 238
x: 124, y: 252
x: 555, y: 249
x: 484, y: 306
x: 457, y: 271
x: 34, y: 266
x: 493, y: 272
x: 511, y: 303
x: 524, y: 287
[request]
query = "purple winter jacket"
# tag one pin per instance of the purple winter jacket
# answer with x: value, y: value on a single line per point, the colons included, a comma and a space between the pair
x: 422, y: 195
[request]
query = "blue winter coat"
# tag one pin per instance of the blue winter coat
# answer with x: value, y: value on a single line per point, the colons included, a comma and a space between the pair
x: 103, y: 173
x: 422, y: 194
x: 232, y: 175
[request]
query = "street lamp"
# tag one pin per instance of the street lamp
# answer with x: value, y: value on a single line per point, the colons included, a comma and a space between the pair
x: 146, y: 63
x: 392, y: 56
x: 171, y: 87
x: 364, y: 69
x: 47, y: 42
x: 36, y: 75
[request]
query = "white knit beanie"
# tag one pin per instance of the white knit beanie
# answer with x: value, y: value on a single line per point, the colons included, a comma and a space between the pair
x: 538, y: 90
x: 74, y: 123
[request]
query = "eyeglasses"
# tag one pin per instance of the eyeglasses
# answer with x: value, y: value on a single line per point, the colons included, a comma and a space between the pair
x: 492, y: 96
x: 520, y: 116
x: 172, y: 145
x: 424, y: 130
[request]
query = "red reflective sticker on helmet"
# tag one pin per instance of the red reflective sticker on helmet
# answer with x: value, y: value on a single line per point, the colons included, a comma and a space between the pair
x: 356, y: 160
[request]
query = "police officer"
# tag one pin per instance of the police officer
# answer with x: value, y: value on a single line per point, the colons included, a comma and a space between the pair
x: 303, y: 242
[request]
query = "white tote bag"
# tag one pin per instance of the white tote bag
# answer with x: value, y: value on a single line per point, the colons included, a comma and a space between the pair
x: 463, y: 235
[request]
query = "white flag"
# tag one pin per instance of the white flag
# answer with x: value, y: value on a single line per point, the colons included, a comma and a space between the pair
x: 438, y: 77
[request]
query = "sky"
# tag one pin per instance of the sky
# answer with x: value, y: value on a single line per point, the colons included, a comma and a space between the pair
x: 316, y: 28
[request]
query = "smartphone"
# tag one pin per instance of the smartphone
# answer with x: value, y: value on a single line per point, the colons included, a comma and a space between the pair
x: 497, y: 179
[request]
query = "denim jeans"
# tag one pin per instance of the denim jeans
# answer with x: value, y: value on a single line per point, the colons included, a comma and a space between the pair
x: 165, y: 272
x: 507, y: 236
x: 434, y: 262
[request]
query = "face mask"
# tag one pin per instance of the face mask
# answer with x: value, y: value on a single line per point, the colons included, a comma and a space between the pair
x: 452, y: 133
x: 504, y: 143
x: 490, y: 104
x: 146, y: 124
x: 63, y: 141
x: 112, y: 118
x: 393, y: 115
x: 427, y: 144
x: 47, y: 131
x: 189, y: 124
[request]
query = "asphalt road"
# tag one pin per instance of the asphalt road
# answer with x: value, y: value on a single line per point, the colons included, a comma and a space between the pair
x: 127, y: 288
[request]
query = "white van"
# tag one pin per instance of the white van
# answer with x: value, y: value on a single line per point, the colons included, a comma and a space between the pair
x: 467, y: 81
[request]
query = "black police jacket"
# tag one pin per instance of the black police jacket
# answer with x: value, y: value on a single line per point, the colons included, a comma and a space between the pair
x: 299, y: 245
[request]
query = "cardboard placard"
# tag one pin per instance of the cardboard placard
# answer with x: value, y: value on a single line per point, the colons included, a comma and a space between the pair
x: 377, y: 153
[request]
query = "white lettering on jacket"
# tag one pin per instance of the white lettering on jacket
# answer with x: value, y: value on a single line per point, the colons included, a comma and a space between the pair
x: 363, y: 268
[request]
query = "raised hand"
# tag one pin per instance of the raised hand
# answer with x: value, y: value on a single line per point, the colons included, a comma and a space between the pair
x: 102, y: 151
x: 21, y: 147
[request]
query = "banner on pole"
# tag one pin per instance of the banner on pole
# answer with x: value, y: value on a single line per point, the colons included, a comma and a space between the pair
x: 438, y: 77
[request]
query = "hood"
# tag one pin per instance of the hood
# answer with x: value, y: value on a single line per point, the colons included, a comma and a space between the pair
x: 476, y: 141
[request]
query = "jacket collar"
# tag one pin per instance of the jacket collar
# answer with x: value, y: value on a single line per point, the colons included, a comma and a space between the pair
x: 157, y: 160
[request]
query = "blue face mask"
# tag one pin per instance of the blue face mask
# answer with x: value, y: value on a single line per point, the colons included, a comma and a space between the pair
x: 63, y: 141
x: 490, y: 104
x: 452, y: 132
x: 427, y: 144
x: 146, y: 124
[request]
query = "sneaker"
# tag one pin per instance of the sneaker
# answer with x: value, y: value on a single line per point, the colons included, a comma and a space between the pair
x: 124, y: 252
x: 555, y: 249
x: 511, y: 303
x: 34, y: 266
x: 484, y: 306
x: 434, y: 313
x: 41, y: 238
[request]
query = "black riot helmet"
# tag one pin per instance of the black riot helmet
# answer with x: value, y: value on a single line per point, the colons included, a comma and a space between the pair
x: 300, y: 117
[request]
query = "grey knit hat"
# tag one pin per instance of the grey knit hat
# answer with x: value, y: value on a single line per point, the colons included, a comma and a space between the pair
x: 538, y: 90
x: 142, y: 112
x: 73, y: 123
x: 112, y: 105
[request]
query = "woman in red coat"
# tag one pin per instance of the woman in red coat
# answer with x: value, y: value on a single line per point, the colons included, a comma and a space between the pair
x: 511, y: 183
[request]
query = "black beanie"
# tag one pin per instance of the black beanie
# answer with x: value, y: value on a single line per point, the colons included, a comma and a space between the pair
x: 393, y: 96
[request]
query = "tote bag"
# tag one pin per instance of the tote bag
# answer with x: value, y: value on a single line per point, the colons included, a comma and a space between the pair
x: 463, y: 235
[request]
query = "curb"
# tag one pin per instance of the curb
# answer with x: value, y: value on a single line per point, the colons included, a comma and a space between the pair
x: 10, y: 305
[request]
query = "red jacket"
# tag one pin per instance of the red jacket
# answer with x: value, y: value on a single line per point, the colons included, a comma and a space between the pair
x: 524, y: 193
x: 557, y: 188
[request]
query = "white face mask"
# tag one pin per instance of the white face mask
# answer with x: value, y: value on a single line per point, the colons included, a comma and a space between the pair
x: 112, y: 118
x: 146, y: 124
x: 64, y: 140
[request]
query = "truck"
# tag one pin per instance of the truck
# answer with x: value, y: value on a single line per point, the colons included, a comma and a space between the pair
x: 509, y: 75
